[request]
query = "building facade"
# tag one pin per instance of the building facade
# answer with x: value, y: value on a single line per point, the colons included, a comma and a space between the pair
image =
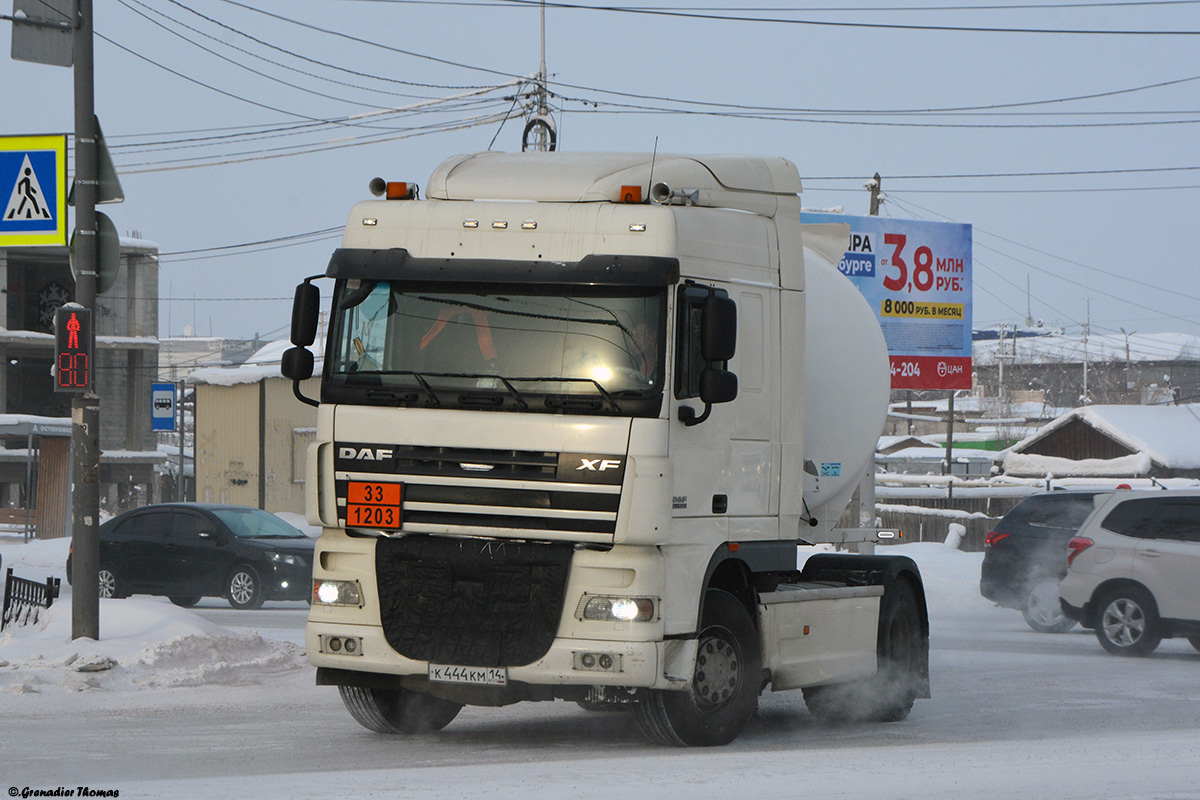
x: 38, y: 281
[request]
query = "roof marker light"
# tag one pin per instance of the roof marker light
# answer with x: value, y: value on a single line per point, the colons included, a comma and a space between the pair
x: 393, y: 190
x: 499, y: 224
x: 529, y: 225
x: 637, y: 227
x: 370, y: 221
x: 470, y: 223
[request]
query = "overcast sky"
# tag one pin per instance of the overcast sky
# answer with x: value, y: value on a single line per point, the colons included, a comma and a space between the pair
x: 1072, y: 151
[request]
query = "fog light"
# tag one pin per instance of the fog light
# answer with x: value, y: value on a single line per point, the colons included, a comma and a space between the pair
x: 335, y: 644
x: 597, y: 662
x: 351, y: 646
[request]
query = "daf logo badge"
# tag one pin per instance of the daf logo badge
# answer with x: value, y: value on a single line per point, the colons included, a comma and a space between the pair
x: 366, y: 453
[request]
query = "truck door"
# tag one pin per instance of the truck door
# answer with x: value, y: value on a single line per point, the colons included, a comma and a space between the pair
x: 723, y: 465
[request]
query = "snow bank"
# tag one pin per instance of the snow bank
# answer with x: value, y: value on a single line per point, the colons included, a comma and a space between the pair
x: 145, y: 643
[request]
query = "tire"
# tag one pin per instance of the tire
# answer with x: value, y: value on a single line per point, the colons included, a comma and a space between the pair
x: 110, y: 584
x: 724, y: 691
x: 185, y: 601
x: 888, y: 695
x: 1042, y: 611
x: 1127, y: 622
x: 244, y: 590
x: 398, y: 710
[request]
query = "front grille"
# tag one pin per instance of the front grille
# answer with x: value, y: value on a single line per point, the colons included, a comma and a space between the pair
x: 499, y: 493
x: 456, y: 461
x: 471, y: 602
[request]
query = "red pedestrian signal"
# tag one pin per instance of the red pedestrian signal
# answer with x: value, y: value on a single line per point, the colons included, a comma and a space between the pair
x: 73, y: 339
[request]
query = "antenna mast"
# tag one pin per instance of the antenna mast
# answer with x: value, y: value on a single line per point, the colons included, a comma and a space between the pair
x: 540, y: 133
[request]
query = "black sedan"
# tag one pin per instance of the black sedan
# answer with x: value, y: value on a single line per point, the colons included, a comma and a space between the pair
x: 186, y: 551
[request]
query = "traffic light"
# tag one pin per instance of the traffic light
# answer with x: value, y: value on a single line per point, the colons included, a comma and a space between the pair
x: 73, y: 339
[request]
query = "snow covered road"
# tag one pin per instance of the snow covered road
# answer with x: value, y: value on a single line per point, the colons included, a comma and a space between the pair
x: 1014, y: 714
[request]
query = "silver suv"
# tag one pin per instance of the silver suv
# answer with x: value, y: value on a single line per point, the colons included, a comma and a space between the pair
x: 1133, y: 570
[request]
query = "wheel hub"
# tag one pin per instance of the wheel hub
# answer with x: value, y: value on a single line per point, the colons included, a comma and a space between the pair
x: 1043, y: 604
x: 241, y: 588
x: 1124, y: 623
x: 718, y: 672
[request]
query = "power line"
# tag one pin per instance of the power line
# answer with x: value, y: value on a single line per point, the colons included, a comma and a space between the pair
x: 662, y: 12
x: 810, y: 9
x: 289, y: 237
x: 1140, y: 282
x: 325, y: 64
x: 238, y: 64
x: 1090, y: 289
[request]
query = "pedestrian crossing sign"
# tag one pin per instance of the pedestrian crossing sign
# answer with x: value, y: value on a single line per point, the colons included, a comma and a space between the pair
x: 33, y: 190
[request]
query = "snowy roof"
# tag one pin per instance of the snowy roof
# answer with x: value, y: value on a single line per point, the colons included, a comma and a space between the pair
x: 263, y: 364
x: 1166, y: 435
x: 1070, y: 349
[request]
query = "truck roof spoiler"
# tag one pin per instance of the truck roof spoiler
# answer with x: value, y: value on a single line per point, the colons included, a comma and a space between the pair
x: 746, y: 183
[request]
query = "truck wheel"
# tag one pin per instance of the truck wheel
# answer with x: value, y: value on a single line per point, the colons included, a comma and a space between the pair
x: 888, y: 695
x: 724, y: 690
x: 1042, y: 610
x: 1127, y: 624
x: 184, y: 601
x: 398, y: 710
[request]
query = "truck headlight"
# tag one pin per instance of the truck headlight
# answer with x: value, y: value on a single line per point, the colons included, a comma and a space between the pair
x: 336, y: 593
x: 609, y: 608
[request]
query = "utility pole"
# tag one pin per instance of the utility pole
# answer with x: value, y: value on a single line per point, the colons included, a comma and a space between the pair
x: 873, y: 185
x: 540, y: 133
x: 1084, y: 400
x: 85, y: 407
x: 866, y: 486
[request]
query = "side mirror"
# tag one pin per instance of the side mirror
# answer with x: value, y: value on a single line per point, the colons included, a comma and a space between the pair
x: 297, y: 363
x: 718, y: 328
x: 718, y: 386
x: 306, y: 312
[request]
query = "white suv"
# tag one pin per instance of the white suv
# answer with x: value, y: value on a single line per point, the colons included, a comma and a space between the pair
x: 1134, y: 570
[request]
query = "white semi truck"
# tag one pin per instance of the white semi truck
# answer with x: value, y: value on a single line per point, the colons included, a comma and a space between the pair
x: 579, y: 414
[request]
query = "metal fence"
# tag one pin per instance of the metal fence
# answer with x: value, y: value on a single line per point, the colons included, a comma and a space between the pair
x: 24, y: 599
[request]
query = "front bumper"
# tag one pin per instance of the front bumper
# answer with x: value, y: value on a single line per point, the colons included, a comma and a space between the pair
x: 655, y: 665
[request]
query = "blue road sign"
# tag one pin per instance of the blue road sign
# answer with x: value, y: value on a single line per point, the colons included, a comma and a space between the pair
x: 33, y: 196
x: 162, y: 406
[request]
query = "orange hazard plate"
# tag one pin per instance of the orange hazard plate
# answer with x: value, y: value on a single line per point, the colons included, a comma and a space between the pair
x: 374, y: 505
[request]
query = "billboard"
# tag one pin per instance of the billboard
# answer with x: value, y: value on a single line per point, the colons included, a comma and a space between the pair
x: 916, y: 276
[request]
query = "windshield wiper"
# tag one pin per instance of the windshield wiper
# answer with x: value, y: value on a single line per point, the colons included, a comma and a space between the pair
x: 600, y: 389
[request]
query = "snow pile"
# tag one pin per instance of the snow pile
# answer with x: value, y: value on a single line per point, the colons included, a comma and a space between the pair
x: 1032, y: 465
x: 145, y: 643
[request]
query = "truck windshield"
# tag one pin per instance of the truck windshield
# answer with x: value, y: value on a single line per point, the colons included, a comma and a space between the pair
x: 538, y: 348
